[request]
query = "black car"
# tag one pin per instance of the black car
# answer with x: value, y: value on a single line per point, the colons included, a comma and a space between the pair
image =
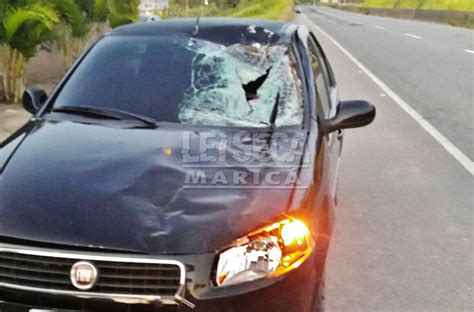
x: 178, y: 165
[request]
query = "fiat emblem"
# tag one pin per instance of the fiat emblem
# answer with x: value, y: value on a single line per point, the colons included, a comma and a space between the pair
x: 83, y: 275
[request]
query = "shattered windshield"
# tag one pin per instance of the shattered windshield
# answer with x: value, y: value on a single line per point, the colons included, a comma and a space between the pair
x: 189, y: 81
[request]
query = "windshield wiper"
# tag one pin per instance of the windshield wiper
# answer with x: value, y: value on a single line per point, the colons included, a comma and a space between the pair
x: 274, y: 113
x: 146, y: 120
x: 105, y: 112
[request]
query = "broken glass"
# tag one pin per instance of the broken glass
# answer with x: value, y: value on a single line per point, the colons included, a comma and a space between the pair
x: 239, y: 85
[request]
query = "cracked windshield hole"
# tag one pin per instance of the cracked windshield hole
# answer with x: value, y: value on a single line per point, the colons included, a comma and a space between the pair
x: 237, y: 84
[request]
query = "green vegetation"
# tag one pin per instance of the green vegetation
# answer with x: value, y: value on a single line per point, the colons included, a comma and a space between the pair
x: 26, y: 24
x: 461, y: 5
x: 122, y: 12
x: 22, y: 29
x: 266, y: 9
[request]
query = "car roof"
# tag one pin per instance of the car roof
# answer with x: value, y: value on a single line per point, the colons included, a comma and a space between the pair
x: 222, y: 30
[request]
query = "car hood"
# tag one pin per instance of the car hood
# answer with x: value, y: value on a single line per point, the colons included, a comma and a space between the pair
x: 112, y: 187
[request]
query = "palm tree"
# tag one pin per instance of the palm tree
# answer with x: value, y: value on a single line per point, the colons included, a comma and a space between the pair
x: 82, y: 19
x: 25, y: 24
x: 71, y: 30
x: 22, y: 29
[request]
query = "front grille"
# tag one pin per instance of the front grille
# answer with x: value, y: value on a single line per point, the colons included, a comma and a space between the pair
x: 122, y: 276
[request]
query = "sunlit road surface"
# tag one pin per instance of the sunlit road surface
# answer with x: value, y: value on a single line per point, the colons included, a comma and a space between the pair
x: 430, y: 66
x: 404, y: 227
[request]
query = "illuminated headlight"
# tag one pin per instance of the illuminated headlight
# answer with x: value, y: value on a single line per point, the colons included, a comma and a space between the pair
x: 271, y: 251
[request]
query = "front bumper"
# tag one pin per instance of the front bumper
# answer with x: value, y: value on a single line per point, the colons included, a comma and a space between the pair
x: 297, y: 290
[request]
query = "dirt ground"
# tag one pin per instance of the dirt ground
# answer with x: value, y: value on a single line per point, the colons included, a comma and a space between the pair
x: 11, y: 118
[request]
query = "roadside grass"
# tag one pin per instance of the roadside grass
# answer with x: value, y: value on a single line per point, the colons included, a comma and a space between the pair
x: 456, y: 5
x: 266, y: 9
x: 177, y: 10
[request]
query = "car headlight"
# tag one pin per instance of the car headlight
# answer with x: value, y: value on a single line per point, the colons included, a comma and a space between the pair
x: 271, y: 251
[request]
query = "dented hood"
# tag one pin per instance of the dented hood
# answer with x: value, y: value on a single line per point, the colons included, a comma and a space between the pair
x: 108, y: 187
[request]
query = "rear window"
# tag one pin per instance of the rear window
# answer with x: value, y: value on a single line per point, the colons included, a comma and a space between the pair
x: 190, y: 81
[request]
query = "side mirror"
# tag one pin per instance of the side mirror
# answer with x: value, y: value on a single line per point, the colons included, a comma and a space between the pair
x: 350, y: 114
x: 33, y: 99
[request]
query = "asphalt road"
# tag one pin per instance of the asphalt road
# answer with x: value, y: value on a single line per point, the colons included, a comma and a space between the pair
x: 403, y: 236
x: 430, y: 66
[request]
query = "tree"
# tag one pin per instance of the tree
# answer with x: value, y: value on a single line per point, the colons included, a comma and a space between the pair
x: 74, y: 27
x: 123, y: 12
x: 82, y: 19
x: 25, y: 24
x: 23, y: 27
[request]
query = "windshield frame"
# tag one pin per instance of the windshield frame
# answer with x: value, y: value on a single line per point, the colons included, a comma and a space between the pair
x: 293, y: 46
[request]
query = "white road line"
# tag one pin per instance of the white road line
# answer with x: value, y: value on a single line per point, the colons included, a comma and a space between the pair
x: 412, y: 35
x: 448, y: 146
x: 469, y: 51
x: 379, y: 27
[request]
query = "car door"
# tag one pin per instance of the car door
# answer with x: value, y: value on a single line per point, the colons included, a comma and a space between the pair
x: 326, y: 106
